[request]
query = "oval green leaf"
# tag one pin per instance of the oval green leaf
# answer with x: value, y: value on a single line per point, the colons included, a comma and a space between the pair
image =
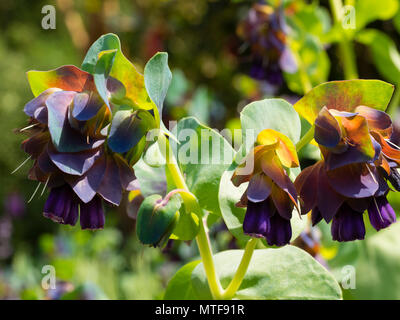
x: 284, y: 273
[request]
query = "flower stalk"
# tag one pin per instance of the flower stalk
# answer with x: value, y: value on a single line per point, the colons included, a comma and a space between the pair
x: 306, y: 139
x: 241, y: 271
x: 190, y: 201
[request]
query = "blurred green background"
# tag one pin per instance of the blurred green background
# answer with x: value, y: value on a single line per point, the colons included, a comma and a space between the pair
x: 211, y: 80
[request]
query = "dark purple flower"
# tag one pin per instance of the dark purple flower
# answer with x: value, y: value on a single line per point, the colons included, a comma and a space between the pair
x: 263, y: 220
x: 270, y: 196
x: 92, y: 214
x: 264, y: 31
x: 62, y: 206
x: 348, y: 224
x: 358, y: 161
x: 68, y: 128
x: 380, y: 213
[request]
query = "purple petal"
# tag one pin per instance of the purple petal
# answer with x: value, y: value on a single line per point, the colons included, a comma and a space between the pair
x: 347, y: 225
x: 39, y: 102
x: 92, y: 214
x: 36, y: 144
x: 256, y: 220
x: 327, y: 129
x: 329, y: 201
x: 110, y: 188
x: 76, y: 163
x: 280, y: 231
x: 45, y: 163
x: 381, y: 213
x: 377, y: 120
x: 316, y: 216
x: 273, y: 169
x: 282, y: 202
x: 115, y: 88
x: 61, y: 207
x: 86, y: 105
x: 359, y: 204
x: 353, y: 181
x: 304, y: 185
x: 40, y: 114
x: 86, y: 186
x: 259, y: 188
x: 126, y: 174
x: 64, y: 137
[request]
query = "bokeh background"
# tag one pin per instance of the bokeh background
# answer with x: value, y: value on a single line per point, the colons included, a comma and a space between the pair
x: 216, y: 72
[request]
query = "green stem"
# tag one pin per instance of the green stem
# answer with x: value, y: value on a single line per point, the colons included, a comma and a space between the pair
x: 191, y: 203
x: 241, y: 271
x: 394, y: 103
x: 306, y: 139
x: 203, y: 242
x: 345, y: 44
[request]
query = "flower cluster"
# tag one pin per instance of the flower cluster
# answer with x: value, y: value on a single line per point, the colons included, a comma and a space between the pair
x: 270, y: 196
x: 68, y: 128
x: 358, y: 160
x: 264, y: 31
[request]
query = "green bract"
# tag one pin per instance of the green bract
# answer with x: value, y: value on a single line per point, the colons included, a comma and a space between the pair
x: 344, y: 96
x: 157, y: 218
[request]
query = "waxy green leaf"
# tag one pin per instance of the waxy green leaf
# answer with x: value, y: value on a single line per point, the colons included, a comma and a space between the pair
x: 180, y: 285
x: 203, y: 155
x: 344, y: 95
x: 284, y: 273
x: 157, y: 78
x: 122, y: 69
x: 69, y: 78
x: 101, y: 73
x: 276, y: 114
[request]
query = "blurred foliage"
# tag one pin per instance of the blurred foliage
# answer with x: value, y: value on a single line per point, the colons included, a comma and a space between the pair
x: 210, y: 81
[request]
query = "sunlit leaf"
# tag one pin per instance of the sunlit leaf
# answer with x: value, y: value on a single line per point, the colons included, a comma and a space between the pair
x: 122, y: 70
x: 157, y: 78
x: 102, y: 71
x: 69, y: 78
x: 344, y: 96
x: 203, y: 155
x: 180, y: 285
x: 284, y: 273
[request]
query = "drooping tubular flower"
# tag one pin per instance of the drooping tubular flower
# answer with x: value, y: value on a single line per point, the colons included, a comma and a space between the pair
x: 270, y: 196
x: 358, y: 159
x: 265, y: 32
x: 68, y: 130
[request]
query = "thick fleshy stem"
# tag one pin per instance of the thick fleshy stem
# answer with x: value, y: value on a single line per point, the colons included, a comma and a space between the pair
x: 306, y: 139
x: 345, y: 44
x: 241, y: 271
x: 191, y: 203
